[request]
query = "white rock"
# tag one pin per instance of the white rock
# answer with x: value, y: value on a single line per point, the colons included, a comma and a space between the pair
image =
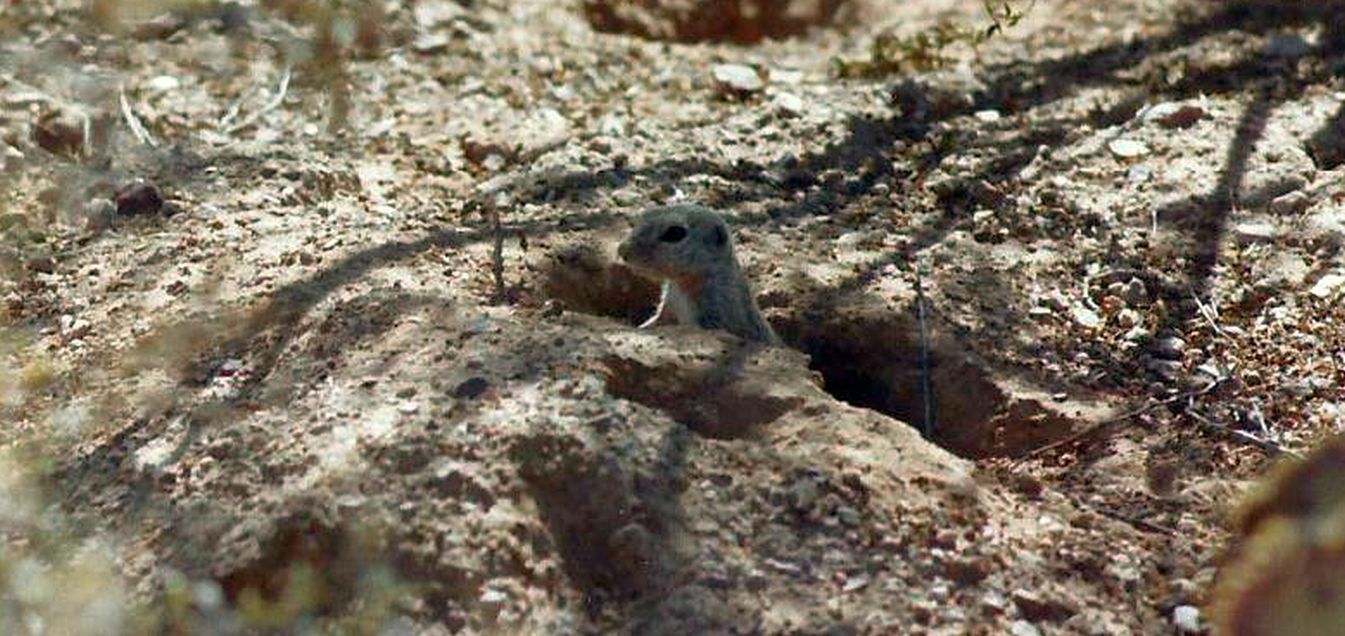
x: 492, y: 601
x: 788, y: 104
x: 163, y: 83
x: 855, y: 583
x: 544, y: 129
x: 1255, y: 232
x: 1159, y: 111
x: 1037, y: 312
x: 786, y: 76
x: 1186, y: 618
x: 429, y: 15
x: 1086, y: 317
x: 988, y: 116
x: 1024, y: 628
x: 493, y: 597
x: 431, y: 43
x: 738, y: 78
x: 1128, y: 148
x: 1328, y: 286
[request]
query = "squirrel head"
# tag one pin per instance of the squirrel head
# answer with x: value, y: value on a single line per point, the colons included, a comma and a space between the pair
x: 678, y: 240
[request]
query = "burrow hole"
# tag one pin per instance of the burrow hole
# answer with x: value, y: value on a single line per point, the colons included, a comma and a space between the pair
x: 868, y: 356
x: 740, y: 21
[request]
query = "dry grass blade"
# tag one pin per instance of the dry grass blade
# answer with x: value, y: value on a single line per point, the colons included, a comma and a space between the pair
x: 132, y: 121
x: 1104, y: 424
x: 1259, y: 442
x: 279, y: 97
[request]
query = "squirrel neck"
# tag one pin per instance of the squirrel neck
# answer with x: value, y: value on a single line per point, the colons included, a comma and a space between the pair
x: 719, y: 299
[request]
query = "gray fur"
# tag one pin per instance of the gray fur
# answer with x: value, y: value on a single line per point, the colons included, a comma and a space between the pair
x: 704, y: 254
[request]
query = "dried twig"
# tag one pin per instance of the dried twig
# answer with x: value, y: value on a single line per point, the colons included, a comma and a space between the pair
x: 86, y: 131
x: 133, y: 122
x: 1210, y: 314
x: 1098, y: 427
x: 928, y: 426
x: 274, y: 103
x: 1087, y: 287
x: 1259, y: 442
x: 1138, y: 523
x: 497, y: 253
x: 234, y: 109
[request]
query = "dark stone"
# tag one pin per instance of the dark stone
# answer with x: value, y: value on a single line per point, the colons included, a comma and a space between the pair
x: 137, y: 198
x: 471, y: 388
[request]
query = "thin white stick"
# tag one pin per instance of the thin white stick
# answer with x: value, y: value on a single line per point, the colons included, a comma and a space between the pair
x: 1209, y: 313
x: 271, y: 105
x: 137, y: 128
x: 234, y: 109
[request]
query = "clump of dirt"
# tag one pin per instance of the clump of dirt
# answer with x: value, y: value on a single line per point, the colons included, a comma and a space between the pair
x: 586, y: 280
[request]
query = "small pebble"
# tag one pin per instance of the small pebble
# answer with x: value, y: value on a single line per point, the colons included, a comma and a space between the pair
x: 138, y: 197
x: 1128, y: 148
x: 1187, y: 619
x: 163, y: 83
x: 1328, y: 286
x: 788, y: 104
x: 737, y: 78
x: 855, y: 583
x: 493, y: 597
x: 1289, y: 203
x: 1139, y: 174
x: 431, y: 44
x: 1086, y: 317
x: 1254, y: 232
x: 1023, y: 628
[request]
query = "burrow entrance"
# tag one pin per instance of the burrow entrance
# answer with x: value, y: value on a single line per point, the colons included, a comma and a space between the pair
x: 868, y: 355
x: 740, y: 21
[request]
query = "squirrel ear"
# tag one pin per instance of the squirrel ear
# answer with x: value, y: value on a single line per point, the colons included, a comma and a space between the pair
x: 719, y: 237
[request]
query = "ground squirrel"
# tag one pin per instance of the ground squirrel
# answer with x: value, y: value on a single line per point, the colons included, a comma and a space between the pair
x: 689, y: 249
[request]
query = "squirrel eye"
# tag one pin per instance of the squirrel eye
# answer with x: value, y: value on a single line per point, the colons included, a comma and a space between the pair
x: 673, y: 234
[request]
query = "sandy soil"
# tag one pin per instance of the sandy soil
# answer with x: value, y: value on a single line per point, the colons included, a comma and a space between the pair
x: 299, y: 346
